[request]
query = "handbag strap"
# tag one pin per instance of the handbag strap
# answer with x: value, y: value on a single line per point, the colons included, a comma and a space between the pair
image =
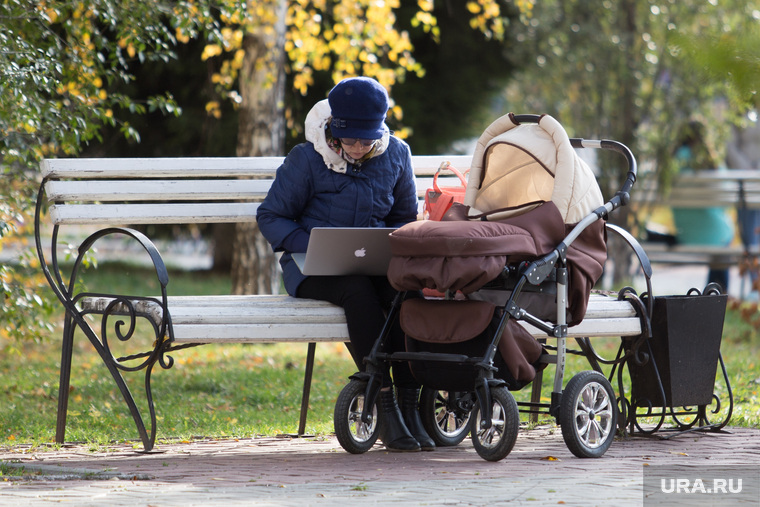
x: 447, y: 165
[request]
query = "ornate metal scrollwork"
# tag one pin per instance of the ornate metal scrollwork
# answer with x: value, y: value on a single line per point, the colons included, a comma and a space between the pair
x: 122, y: 308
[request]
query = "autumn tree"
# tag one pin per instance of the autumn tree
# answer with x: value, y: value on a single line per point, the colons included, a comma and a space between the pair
x: 66, y: 67
x: 60, y: 61
x: 339, y: 38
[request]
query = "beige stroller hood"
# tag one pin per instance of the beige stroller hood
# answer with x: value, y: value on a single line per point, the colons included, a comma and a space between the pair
x: 517, y: 167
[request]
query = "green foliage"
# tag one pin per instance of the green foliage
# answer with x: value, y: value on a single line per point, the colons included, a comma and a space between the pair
x: 59, y: 62
x: 617, y: 70
x: 24, y: 312
x: 140, y: 280
x: 61, y: 65
x: 24, y: 308
x: 729, y: 56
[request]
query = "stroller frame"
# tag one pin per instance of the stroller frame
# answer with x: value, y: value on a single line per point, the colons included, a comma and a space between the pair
x: 549, y: 272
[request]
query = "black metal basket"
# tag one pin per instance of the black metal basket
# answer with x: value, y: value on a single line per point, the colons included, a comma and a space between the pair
x: 685, y: 346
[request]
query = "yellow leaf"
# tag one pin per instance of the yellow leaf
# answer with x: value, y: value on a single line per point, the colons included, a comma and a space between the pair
x: 210, y: 51
x: 425, y: 5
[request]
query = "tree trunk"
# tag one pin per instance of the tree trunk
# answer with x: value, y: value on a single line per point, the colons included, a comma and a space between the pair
x: 618, y: 250
x: 261, y: 132
x: 222, y: 235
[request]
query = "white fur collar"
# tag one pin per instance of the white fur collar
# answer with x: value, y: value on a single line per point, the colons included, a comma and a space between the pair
x: 315, y: 124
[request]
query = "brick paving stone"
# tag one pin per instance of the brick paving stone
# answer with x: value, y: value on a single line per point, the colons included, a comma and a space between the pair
x: 316, y: 471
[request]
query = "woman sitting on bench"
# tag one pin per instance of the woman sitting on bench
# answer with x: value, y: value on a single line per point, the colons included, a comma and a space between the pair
x: 351, y: 172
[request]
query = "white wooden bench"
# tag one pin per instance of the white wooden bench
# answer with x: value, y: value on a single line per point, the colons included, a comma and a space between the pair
x: 110, y: 193
x: 729, y: 188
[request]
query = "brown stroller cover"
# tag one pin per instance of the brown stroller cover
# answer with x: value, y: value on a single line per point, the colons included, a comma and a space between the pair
x: 464, y: 252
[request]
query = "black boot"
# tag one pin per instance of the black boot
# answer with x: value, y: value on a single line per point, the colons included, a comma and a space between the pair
x: 408, y: 400
x: 393, y: 432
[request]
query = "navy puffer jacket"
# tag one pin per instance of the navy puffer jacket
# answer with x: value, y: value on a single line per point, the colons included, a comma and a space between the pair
x: 307, y: 194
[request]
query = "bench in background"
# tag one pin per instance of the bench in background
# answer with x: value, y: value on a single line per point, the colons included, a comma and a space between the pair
x: 730, y: 188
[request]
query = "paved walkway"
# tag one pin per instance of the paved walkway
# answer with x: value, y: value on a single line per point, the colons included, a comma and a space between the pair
x: 300, y: 472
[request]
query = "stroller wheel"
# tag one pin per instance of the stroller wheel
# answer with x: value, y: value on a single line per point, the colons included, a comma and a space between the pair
x: 494, y: 443
x: 446, y: 415
x: 355, y: 436
x: 588, y: 414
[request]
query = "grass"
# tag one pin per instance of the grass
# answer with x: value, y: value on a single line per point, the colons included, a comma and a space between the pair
x: 241, y: 390
x: 235, y: 390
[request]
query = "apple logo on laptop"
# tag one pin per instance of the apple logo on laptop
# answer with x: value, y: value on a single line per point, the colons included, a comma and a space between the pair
x: 361, y: 252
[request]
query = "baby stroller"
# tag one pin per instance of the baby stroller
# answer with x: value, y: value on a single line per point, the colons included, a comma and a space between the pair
x: 525, y: 248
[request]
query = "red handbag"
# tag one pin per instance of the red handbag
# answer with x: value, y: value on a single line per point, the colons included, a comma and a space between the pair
x: 438, y: 200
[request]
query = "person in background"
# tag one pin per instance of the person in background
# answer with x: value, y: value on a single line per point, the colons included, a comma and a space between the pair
x: 743, y: 152
x: 350, y: 172
x: 701, y: 226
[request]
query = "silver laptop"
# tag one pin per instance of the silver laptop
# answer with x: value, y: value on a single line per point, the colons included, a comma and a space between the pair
x: 346, y: 251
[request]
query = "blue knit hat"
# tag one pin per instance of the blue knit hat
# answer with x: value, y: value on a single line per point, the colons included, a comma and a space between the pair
x: 358, y: 106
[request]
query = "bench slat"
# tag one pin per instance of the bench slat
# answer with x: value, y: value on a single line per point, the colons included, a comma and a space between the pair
x: 603, y: 307
x: 185, y: 316
x: 261, y: 333
x: 267, y: 300
x: 178, y: 190
x: 298, y: 332
x: 427, y: 165
x: 118, y: 214
x: 268, y: 309
x: 194, y: 167
x: 597, y: 328
x: 160, y: 167
x: 704, y: 188
x: 157, y: 190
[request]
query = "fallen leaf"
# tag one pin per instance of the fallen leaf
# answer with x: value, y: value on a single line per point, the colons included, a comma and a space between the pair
x: 550, y: 458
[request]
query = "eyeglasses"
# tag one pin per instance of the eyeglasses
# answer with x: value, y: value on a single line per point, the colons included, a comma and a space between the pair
x: 350, y: 141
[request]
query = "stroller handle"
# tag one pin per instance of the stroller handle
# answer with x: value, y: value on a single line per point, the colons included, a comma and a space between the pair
x: 623, y: 196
